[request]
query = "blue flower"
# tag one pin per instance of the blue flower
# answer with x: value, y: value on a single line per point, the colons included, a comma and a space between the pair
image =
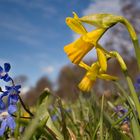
x: 2, y: 104
x: 6, y: 118
x: 54, y: 117
x: 121, y: 111
x: 11, y: 105
x: 6, y: 121
x: 12, y: 93
x: 4, y: 72
x: 7, y: 109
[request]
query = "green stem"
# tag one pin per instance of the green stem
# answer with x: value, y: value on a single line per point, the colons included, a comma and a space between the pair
x: 96, y: 129
x: 101, y: 119
x: 137, y: 51
x: 17, y: 123
x: 134, y: 38
x: 134, y: 95
x: 23, y: 105
x: 128, y: 99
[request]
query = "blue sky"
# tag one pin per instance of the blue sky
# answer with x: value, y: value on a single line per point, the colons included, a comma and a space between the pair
x: 33, y: 33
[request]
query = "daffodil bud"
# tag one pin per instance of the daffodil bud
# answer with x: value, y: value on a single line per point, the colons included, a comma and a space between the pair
x: 94, y: 36
x: 85, y: 66
x: 101, y: 20
x: 75, y: 25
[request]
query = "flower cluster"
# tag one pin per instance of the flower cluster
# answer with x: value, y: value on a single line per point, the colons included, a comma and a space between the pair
x: 8, y: 101
x: 121, y: 111
x: 125, y: 123
x: 88, y: 41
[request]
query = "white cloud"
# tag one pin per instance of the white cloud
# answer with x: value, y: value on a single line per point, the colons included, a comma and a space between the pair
x: 104, y: 6
x: 48, y: 69
x: 16, y: 26
x: 24, y: 90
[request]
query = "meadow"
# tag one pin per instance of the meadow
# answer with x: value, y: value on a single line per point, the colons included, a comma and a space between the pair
x: 109, y: 115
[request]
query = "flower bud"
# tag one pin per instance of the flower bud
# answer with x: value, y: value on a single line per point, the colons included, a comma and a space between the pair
x: 101, y: 20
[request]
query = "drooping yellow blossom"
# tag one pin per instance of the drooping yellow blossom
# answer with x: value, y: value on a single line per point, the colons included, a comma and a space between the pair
x: 79, y: 48
x: 105, y: 20
x: 93, y: 72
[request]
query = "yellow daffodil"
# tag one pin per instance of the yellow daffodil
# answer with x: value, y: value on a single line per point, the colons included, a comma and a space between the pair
x: 93, y: 72
x: 79, y: 48
x: 105, y: 20
x: 88, y: 40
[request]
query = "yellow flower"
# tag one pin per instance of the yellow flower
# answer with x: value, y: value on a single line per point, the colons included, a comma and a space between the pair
x: 86, y: 84
x: 79, y: 48
x: 101, y: 58
x: 75, y: 25
x: 93, y: 72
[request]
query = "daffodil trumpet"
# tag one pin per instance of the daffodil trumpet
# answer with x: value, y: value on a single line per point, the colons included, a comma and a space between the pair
x: 93, y: 72
x: 79, y: 48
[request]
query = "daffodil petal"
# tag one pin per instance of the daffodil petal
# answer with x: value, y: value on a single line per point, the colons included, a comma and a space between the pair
x: 102, y: 59
x: 86, y: 84
x: 95, y: 67
x: 75, y: 25
x: 94, y: 70
x: 75, y: 15
x: 94, y: 35
x: 107, y: 77
x: 85, y: 66
x: 77, y: 50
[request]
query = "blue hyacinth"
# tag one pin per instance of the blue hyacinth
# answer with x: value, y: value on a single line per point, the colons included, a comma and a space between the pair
x: 121, y: 111
x: 8, y: 108
x: 4, y: 72
x: 6, y: 119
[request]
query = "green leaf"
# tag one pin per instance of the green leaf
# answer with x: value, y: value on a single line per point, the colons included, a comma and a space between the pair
x: 40, y: 118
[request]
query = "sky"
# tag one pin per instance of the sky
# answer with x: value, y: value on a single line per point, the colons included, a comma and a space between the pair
x: 33, y: 33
